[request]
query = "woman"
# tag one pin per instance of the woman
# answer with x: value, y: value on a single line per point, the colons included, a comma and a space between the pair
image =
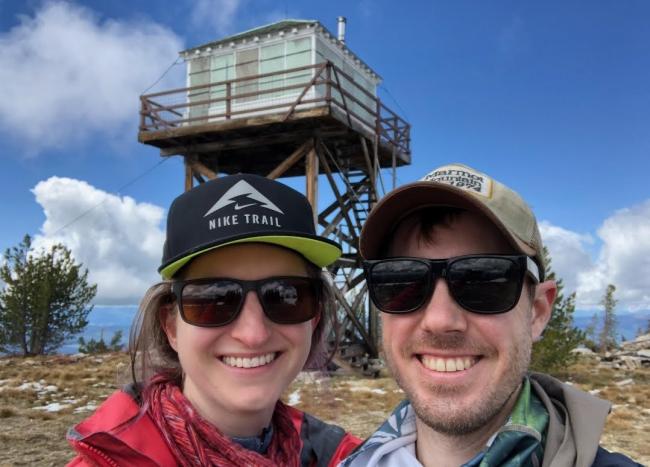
x: 243, y: 309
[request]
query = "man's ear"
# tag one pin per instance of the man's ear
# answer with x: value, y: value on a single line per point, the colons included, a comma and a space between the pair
x: 543, y: 301
x: 167, y: 317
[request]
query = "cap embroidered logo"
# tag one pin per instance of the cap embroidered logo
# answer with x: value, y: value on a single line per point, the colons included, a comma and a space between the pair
x: 243, y: 195
x: 462, y: 177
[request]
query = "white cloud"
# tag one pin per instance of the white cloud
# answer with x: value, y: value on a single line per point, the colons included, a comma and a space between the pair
x: 117, y: 239
x: 568, y: 253
x: 217, y: 14
x: 66, y: 74
x: 623, y: 259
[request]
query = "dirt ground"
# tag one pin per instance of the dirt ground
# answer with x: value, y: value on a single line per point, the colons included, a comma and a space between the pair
x: 30, y: 435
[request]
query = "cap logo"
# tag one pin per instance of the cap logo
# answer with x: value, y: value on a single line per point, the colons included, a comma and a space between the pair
x: 243, y: 196
x: 462, y: 177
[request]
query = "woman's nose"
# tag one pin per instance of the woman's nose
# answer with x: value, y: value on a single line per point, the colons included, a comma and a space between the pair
x: 251, y: 327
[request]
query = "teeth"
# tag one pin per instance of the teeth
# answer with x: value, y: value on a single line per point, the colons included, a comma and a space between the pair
x: 243, y: 362
x: 448, y: 364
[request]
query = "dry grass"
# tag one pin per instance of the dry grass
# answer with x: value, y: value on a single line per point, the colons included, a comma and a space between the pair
x: 37, y: 437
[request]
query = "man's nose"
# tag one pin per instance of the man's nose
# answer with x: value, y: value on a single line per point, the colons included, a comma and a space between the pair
x: 442, y: 313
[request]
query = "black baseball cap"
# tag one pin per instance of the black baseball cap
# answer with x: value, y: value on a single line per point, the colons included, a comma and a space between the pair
x: 242, y: 208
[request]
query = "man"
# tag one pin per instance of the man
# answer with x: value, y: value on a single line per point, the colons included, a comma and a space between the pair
x: 455, y: 264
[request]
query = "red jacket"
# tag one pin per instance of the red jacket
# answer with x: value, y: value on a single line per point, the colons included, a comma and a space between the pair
x: 100, y: 441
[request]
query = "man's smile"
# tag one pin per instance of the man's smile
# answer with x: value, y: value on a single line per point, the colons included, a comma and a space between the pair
x: 447, y: 364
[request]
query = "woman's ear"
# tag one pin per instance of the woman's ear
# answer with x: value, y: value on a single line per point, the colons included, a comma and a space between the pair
x: 315, y: 320
x: 167, y: 317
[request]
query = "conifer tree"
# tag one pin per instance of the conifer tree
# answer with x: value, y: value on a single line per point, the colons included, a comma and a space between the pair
x: 607, y: 335
x: 44, y: 299
x: 100, y: 346
x: 552, y: 353
x: 591, y: 336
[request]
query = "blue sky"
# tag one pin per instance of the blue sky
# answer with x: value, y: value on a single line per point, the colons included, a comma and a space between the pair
x: 551, y: 98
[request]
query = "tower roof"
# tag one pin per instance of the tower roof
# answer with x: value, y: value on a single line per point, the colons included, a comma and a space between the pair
x: 285, y: 24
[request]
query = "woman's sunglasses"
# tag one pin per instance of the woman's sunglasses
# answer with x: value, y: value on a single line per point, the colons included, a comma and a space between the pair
x: 486, y: 284
x: 217, y: 302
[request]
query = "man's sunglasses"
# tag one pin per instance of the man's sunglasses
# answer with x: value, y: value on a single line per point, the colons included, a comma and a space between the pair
x: 217, y: 302
x: 486, y: 284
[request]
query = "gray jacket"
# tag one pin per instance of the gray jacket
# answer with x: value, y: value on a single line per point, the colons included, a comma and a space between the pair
x: 576, y: 422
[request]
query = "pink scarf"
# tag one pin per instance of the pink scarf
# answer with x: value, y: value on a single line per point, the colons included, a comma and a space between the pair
x: 196, y: 442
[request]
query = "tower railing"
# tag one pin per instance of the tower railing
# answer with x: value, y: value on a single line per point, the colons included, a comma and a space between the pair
x: 286, y: 92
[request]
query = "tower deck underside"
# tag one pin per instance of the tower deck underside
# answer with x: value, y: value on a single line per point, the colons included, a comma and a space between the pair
x: 258, y: 144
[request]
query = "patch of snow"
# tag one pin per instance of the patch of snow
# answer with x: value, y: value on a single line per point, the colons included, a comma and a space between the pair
x: 53, y: 407
x: 367, y: 389
x: 50, y: 388
x: 26, y: 386
x: 294, y: 398
x: 85, y: 408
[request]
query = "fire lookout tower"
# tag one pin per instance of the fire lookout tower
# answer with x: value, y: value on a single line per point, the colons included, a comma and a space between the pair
x: 282, y: 100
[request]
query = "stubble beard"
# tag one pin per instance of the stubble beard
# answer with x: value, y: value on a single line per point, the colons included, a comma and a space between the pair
x: 436, y: 405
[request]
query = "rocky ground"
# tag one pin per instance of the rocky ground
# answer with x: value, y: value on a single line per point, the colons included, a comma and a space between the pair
x: 40, y: 398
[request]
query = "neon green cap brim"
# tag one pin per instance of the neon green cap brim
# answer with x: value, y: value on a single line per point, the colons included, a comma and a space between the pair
x: 315, y: 251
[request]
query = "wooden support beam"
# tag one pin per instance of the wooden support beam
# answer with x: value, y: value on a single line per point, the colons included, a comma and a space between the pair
x: 198, y: 177
x: 351, y: 195
x: 356, y: 280
x: 334, y: 206
x: 309, y: 86
x: 342, y: 93
x: 333, y: 227
x: 352, y: 350
x: 366, y: 156
x: 291, y: 160
x: 394, y: 166
x: 377, y: 173
x: 203, y: 170
x: 373, y: 324
x: 311, y: 175
x: 335, y: 190
x: 189, y: 183
x: 346, y: 262
x: 353, y: 318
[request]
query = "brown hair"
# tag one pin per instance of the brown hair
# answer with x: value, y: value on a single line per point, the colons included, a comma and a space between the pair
x: 425, y: 220
x: 151, y: 353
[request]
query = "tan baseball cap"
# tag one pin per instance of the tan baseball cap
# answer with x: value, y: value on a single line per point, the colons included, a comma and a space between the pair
x: 460, y: 186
